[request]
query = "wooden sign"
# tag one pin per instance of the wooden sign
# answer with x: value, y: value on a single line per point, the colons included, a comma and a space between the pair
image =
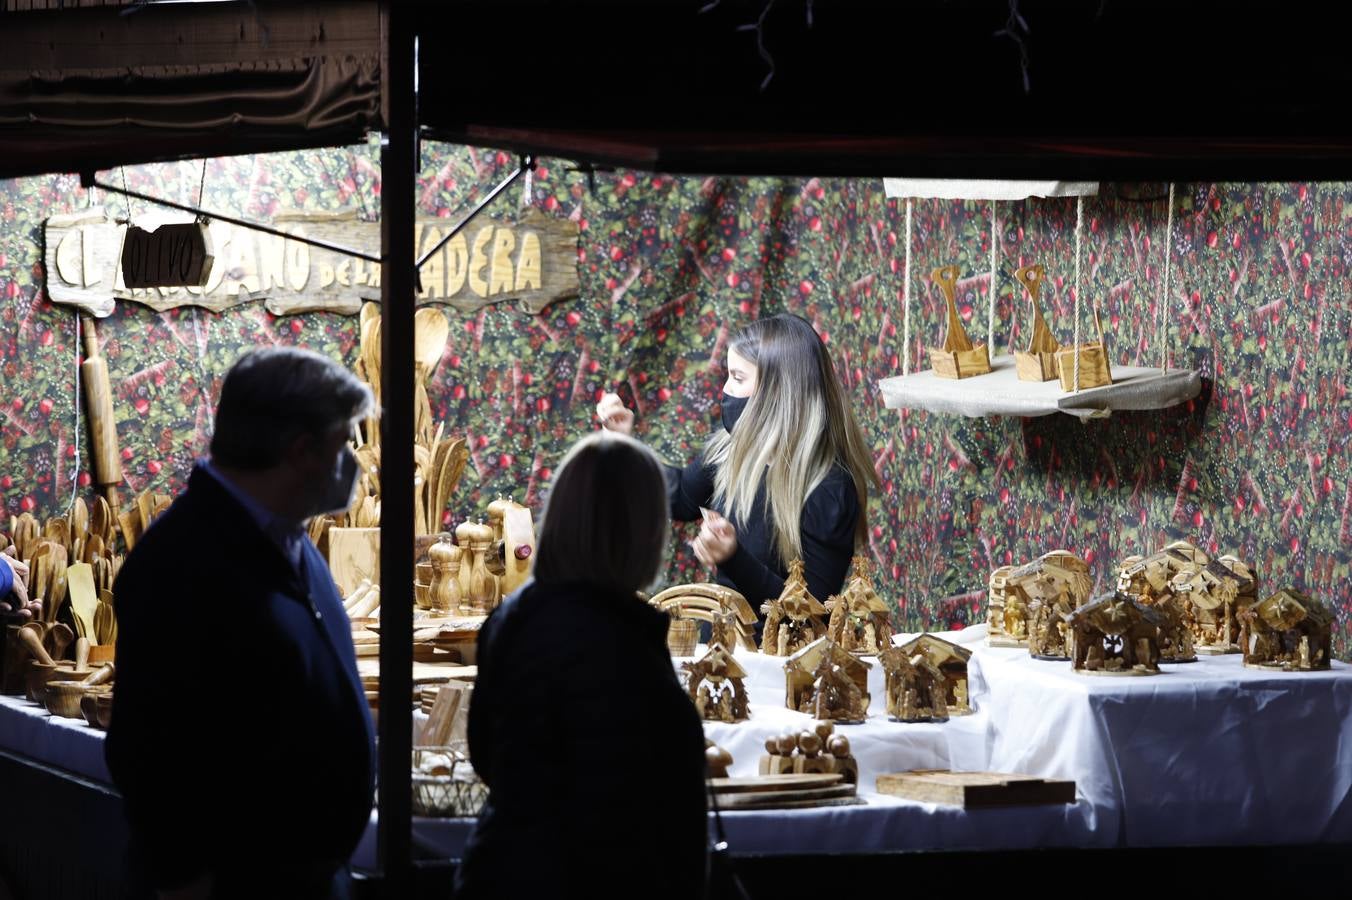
x: 532, y: 259
x: 177, y: 254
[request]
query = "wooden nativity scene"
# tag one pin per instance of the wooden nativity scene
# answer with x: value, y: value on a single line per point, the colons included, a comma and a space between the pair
x: 716, y: 683
x: 859, y: 621
x: 815, y: 751
x: 1052, y: 585
x: 793, y: 620
x: 1289, y: 631
x: 926, y: 680
x: 827, y: 682
x: 1115, y: 634
x: 1198, y: 597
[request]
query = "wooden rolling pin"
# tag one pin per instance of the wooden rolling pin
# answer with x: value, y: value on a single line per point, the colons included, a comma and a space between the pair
x: 99, y: 406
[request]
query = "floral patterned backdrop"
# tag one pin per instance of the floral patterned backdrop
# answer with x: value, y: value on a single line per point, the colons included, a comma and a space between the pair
x: 670, y: 266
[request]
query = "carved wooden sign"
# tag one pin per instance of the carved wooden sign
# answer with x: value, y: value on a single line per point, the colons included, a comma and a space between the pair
x: 532, y: 259
x: 173, y: 255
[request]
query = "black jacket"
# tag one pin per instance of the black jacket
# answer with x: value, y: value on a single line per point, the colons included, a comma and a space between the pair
x: 240, y: 736
x: 593, y: 753
x: 755, y: 571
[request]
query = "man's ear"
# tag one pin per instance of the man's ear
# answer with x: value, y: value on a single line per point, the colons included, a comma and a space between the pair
x: 299, y: 448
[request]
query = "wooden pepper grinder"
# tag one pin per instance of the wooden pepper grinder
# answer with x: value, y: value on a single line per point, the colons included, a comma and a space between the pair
x: 462, y: 539
x: 444, y: 593
x: 483, y: 587
x: 496, y: 511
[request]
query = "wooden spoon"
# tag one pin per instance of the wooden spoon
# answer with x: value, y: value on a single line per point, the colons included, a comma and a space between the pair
x: 431, y: 328
x: 79, y: 519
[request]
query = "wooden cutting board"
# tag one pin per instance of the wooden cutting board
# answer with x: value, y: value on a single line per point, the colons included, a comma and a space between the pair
x: 792, y: 798
x: 763, y: 783
x: 975, y: 790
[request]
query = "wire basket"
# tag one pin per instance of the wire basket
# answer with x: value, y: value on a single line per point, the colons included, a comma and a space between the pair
x: 445, y: 786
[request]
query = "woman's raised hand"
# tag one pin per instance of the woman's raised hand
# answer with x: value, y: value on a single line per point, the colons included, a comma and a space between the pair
x: 614, y: 415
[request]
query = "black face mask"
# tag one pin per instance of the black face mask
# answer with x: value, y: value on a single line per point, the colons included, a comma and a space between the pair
x: 732, y: 410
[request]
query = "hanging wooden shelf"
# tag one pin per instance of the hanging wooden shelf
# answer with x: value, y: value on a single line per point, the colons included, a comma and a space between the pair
x: 1001, y: 393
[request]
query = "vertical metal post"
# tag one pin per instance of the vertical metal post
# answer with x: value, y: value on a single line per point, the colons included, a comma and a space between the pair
x: 399, y: 167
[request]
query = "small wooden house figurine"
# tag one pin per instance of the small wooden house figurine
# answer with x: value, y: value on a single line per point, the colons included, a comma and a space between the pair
x: 1289, y: 631
x: 816, y: 751
x: 716, y: 683
x: 1038, y: 362
x: 916, y: 689
x: 860, y: 621
x: 827, y: 682
x: 958, y: 357
x: 951, y: 661
x: 1152, y: 574
x: 1013, y: 591
x: 1115, y: 634
x: 794, y: 619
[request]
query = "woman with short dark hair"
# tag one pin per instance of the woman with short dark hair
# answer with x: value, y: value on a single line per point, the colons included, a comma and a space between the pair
x: 593, y: 755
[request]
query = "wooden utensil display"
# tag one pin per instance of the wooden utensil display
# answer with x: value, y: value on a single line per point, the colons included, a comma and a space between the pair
x: 975, y: 790
x: 1038, y: 362
x: 958, y: 357
x: 102, y: 422
x: 83, y: 598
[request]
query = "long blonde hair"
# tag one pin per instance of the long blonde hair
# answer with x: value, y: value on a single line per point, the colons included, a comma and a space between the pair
x: 796, y: 426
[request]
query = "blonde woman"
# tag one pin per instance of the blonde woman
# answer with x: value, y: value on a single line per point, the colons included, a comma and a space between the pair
x: 786, y: 477
x: 592, y: 752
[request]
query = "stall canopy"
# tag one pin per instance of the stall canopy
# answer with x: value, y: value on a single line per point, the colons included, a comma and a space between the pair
x: 1109, y: 90
x: 91, y: 88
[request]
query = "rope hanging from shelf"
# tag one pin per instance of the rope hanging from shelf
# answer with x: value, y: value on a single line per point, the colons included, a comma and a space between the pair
x: 1079, y: 228
x: 906, y: 297
x: 1164, y: 300
x: 990, y: 311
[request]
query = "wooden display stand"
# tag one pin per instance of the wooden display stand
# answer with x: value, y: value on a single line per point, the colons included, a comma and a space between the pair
x: 958, y: 357
x: 1094, y: 370
x: 1038, y: 362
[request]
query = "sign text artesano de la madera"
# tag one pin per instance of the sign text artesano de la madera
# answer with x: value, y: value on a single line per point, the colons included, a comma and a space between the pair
x: 532, y: 259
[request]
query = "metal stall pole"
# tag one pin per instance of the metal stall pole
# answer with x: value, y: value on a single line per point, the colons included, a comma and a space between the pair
x: 399, y: 167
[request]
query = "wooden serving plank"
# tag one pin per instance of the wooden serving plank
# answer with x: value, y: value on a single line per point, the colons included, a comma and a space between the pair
x: 842, y: 795
x: 975, y: 790
x: 775, y: 783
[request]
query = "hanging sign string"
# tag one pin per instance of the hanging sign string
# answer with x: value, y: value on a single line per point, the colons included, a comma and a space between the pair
x: 990, y: 312
x: 906, y: 297
x: 1164, y: 300
x: 1079, y: 227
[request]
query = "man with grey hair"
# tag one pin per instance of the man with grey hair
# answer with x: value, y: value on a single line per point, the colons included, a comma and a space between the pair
x: 241, y: 739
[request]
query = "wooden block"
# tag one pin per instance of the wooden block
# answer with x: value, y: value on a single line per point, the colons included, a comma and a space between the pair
x: 354, y: 555
x: 975, y: 790
x: 1093, y: 367
x: 449, y: 717
x: 960, y: 363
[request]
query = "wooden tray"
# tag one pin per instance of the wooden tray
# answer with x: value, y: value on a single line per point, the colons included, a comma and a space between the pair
x: 975, y: 790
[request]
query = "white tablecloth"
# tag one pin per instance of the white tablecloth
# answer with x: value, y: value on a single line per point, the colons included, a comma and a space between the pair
x: 1206, y: 753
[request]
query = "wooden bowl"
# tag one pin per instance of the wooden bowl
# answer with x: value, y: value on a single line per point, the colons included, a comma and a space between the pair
x: 97, y: 708
x: 41, y: 673
x: 63, y: 697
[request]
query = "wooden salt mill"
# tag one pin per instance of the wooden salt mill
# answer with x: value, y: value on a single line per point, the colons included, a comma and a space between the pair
x: 444, y: 593
x: 482, y: 596
x: 496, y: 511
